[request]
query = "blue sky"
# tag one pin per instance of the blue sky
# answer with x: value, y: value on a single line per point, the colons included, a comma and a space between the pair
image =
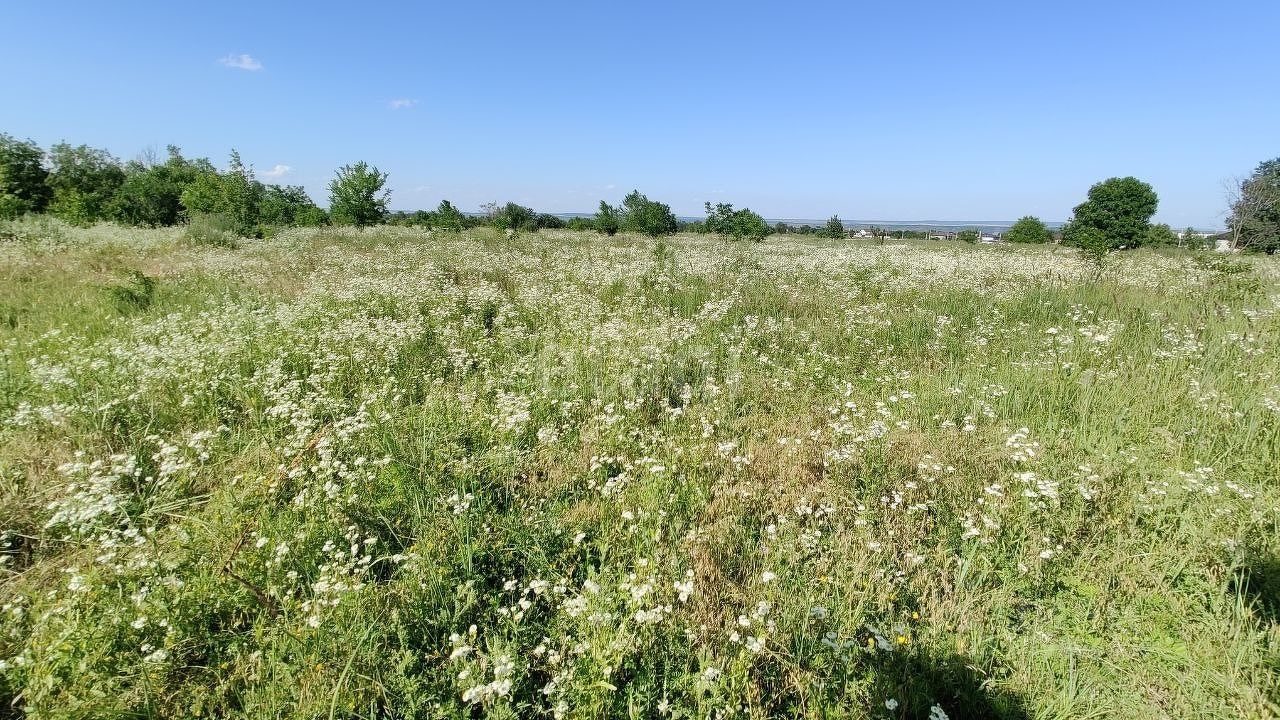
x: 877, y: 111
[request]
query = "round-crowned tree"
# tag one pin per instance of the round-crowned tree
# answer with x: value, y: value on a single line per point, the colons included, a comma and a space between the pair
x: 1028, y: 230
x: 1119, y: 208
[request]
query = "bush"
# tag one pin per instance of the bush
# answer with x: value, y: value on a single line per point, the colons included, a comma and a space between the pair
x: 288, y: 205
x: 1094, y: 245
x: 642, y: 215
x: 1161, y: 235
x: 213, y: 230
x: 513, y: 217
x: 151, y: 194
x: 606, y: 220
x: 84, y: 182
x: 137, y: 293
x: 739, y: 224
x: 969, y: 236
x: 235, y: 195
x: 1029, y: 230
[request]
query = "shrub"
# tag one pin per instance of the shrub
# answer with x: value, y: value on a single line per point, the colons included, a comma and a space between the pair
x: 969, y: 236
x: 287, y: 205
x: 84, y: 182
x: 739, y: 224
x: 236, y: 195
x: 1029, y: 230
x: 642, y: 215
x: 137, y: 293
x: 606, y: 220
x: 1161, y: 235
x: 516, y: 218
x: 151, y: 194
x: 213, y: 230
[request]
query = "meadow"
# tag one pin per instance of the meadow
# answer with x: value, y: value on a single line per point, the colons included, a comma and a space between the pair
x: 397, y: 473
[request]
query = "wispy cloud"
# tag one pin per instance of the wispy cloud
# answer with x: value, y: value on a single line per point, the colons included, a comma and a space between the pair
x: 243, y: 61
x: 401, y: 103
x: 278, y: 171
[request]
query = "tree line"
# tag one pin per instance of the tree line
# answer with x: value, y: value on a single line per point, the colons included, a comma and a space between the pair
x: 84, y: 185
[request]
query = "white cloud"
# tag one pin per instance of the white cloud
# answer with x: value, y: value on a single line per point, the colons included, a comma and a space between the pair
x: 401, y: 103
x: 243, y: 61
x: 278, y: 171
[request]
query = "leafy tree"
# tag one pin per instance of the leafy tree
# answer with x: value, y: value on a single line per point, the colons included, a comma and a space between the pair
x: 287, y: 205
x: 548, y: 221
x: 781, y: 228
x: 834, y: 227
x: 1119, y: 208
x: 84, y: 181
x: 310, y: 216
x: 235, y: 195
x: 1093, y: 243
x: 741, y: 224
x: 152, y: 193
x: 356, y: 195
x: 23, y: 186
x: 969, y: 236
x: 516, y: 218
x: 642, y: 215
x: 1029, y: 230
x: 1254, y: 222
x: 606, y: 219
x: 1161, y: 235
x: 448, y: 217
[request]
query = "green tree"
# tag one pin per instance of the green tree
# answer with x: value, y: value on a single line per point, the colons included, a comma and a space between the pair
x: 1161, y: 235
x: 151, y: 194
x: 448, y: 217
x: 742, y: 224
x: 516, y: 218
x: 1094, y: 244
x: 236, y: 195
x: 606, y: 219
x: 834, y: 227
x: 1028, y: 230
x: 357, y: 197
x: 548, y: 221
x: 23, y: 179
x: 1254, y: 223
x: 968, y: 236
x: 1119, y: 208
x: 642, y: 215
x: 287, y: 205
x: 84, y: 182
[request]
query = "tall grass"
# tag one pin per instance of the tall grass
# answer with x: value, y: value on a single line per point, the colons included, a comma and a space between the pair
x: 395, y: 474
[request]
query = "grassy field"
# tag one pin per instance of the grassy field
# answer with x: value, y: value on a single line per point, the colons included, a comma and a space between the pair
x: 395, y: 474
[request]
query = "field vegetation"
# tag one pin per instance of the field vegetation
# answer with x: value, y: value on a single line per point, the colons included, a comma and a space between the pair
x: 398, y: 472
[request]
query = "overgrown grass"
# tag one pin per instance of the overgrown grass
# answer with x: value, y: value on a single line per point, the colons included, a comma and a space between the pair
x: 386, y: 473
